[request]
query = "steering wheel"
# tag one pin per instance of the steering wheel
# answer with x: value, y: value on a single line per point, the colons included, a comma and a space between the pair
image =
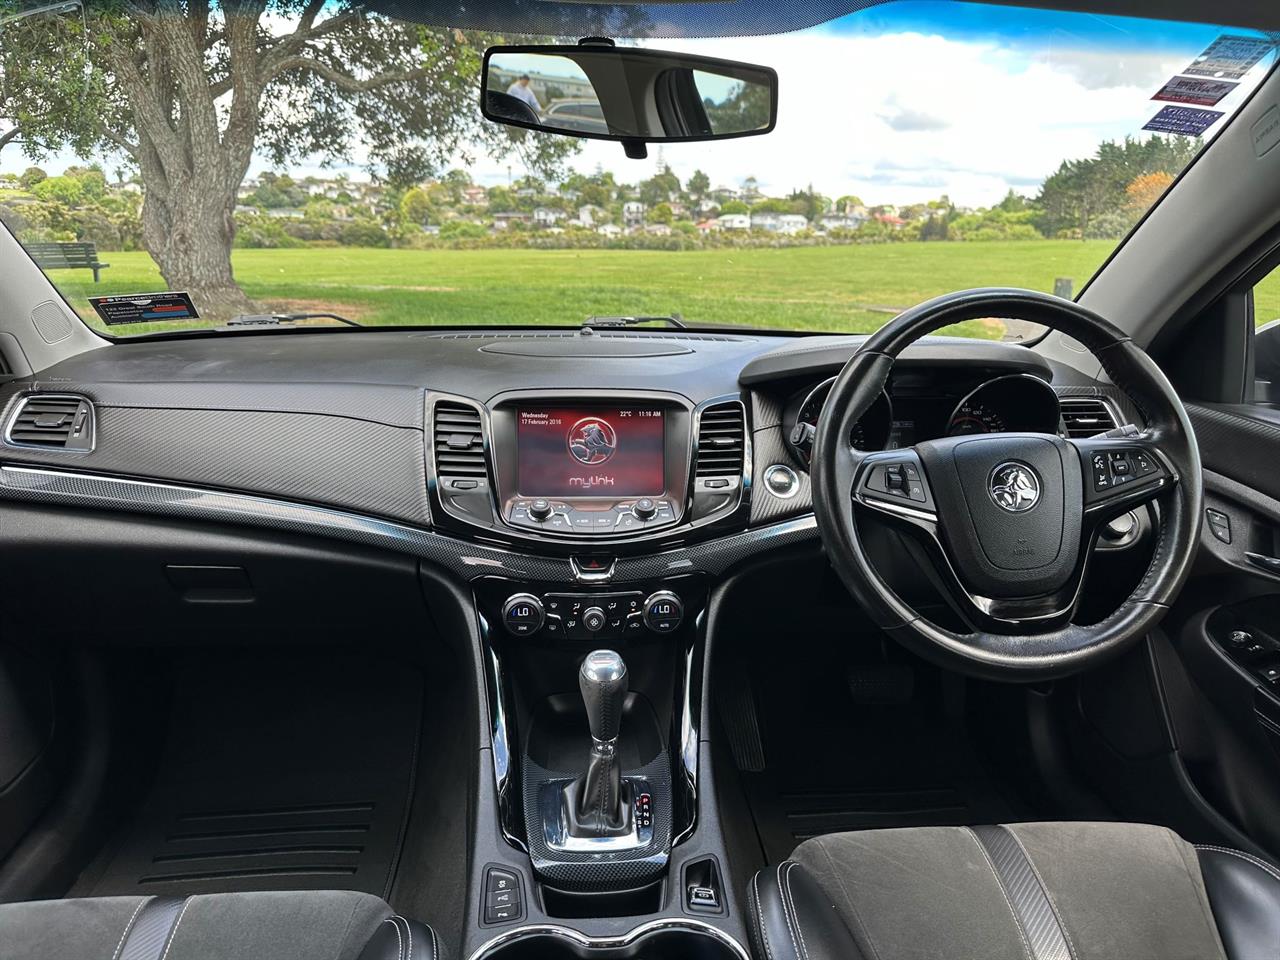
x: 1008, y: 521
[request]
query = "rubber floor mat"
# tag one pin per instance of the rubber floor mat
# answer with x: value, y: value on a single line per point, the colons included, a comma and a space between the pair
x: 278, y: 774
x: 836, y: 761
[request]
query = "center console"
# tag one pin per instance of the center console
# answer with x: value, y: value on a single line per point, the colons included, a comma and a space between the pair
x: 595, y: 669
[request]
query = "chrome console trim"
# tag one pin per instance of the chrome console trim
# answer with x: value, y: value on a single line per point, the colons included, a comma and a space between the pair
x: 632, y: 936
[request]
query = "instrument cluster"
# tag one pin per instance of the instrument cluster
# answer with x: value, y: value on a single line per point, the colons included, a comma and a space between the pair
x: 913, y: 409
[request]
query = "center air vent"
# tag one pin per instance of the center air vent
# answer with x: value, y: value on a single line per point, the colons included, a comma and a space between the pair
x: 721, y: 440
x: 1086, y: 416
x: 52, y: 423
x: 459, y: 440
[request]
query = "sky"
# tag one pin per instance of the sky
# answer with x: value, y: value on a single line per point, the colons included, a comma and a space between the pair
x: 905, y: 102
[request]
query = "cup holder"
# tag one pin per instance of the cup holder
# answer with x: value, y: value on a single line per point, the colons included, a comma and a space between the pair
x: 658, y: 940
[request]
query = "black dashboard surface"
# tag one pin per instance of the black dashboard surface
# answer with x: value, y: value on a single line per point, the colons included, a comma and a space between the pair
x: 337, y: 418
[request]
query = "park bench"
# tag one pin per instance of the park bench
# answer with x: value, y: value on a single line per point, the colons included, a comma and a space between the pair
x: 66, y: 256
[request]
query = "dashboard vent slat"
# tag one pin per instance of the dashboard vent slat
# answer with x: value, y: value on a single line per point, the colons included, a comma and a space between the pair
x: 458, y: 438
x: 52, y: 422
x: 721, y: 441
x: 1086, y: 417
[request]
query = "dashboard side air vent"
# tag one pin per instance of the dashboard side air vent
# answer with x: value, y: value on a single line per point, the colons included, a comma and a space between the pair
x: 721, y: 440
x: 52, y: 422
x: 1087, y: 416
x: 459, y: 440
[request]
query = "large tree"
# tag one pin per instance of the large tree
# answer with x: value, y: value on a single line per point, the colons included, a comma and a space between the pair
x: 191, y: 91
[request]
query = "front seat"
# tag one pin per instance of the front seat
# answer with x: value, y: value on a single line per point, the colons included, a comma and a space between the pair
x: 1026, y: 891
x: 320, y: 925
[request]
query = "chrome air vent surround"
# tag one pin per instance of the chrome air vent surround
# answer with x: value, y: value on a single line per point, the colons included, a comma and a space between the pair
x: 61, y: 423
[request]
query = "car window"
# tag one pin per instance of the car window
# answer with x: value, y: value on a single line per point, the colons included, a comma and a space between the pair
x: 920, y: 147
x: 1266, y: 344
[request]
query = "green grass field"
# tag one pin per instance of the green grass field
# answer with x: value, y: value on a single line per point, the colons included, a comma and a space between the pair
x: 848, y: 288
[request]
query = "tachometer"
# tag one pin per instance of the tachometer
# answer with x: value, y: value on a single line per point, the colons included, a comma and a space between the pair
x: 973, y: 417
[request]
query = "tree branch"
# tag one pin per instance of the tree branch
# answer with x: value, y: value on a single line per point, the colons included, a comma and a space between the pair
x: 345, y: 81
x: 9, y: 136
x: 307, y: 30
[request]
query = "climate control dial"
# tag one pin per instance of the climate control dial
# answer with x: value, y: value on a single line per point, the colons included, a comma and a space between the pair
x: 523, y: 614
x: 663, y: 611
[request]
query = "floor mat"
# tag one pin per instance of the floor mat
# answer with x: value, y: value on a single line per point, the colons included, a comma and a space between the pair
x: 836, y: 762
x: 278, y: 774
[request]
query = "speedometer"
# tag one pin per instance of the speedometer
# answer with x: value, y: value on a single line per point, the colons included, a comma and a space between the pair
x: 974, y: 417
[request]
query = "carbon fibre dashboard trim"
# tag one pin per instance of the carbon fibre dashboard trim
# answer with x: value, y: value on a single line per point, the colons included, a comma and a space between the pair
x: 465, y: 559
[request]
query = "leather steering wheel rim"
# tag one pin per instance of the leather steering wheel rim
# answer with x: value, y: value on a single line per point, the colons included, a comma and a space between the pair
x: 1045, y: 645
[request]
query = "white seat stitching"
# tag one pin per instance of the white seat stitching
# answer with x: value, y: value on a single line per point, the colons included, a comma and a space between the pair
x: 129, y: 926
x: 786, y: 915
x: 399, y: 940
x: 764, y: 935
x: 789, y: 895
x: 174, y: 932
x: 1261, y: 864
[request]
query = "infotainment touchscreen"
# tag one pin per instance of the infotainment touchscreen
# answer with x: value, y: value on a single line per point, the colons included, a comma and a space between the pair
x: 590, y: 451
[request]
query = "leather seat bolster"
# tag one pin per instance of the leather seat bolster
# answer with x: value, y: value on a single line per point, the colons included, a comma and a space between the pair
x: 792, y: 919
x: 1244, y: 893
x: 399, y: 939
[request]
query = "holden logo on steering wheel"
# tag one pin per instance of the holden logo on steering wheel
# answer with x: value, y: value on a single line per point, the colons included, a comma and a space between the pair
x: 592, y: 441
x: 1014, y: 487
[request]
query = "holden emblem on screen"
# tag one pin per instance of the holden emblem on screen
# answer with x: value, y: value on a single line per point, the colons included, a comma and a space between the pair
x: 1015, y: 487
x: 592, y: 441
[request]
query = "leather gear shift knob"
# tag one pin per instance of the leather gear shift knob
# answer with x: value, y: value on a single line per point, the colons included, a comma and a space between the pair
x: 603, y: 682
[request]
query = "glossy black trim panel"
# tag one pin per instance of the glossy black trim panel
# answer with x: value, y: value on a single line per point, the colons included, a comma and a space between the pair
x: 467, y: 560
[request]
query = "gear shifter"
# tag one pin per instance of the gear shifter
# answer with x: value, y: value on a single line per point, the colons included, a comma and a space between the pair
x: 597, y: 802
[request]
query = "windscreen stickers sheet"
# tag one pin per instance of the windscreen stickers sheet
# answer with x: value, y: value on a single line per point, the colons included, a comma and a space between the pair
x: 144, y: 308
x: 1184, y: 121
x: 1229, y: 57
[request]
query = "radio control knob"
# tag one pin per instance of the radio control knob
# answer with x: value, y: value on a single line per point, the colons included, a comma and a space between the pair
x: 593, y: 619
x: 540, y: 509
x: 523, y: 614
x: 644, y: 509
x: 663, y: 611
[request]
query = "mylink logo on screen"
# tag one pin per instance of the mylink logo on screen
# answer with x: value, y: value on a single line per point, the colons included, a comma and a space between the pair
x: 592, y: 441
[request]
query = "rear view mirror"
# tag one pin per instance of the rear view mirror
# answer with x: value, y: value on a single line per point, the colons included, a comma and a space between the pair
x: 629, y: 94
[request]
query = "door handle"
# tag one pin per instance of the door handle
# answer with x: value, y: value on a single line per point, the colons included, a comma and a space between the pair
x: 1269, y: 564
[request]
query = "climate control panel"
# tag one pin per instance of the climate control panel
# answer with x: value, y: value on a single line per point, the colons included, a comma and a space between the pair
x: 592, y: 616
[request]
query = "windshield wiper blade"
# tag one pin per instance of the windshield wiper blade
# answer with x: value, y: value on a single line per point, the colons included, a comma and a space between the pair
x: 676, y: 320
x: 276, y: 319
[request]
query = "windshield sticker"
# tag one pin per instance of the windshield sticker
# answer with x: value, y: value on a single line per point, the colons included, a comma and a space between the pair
x: 144, y: 308
x: 1185, y: 121
x: 1202, y: 93
x: 1229, y: 57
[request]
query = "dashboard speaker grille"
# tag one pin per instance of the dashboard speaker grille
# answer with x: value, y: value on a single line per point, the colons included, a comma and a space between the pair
x: 52, y: 422
x: 51, y: 322
x: 458, y: 436
x: 721, y: 440
x: 1086, y: 416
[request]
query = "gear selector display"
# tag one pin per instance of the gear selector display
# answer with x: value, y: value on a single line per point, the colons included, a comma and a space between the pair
x: 590, y: 451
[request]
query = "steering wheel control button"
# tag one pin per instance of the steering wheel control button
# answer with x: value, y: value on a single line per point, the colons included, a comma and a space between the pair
x: 781, y: 481
x: 593, y: 619
x: 663, y: 611
x: 503, y: 896
x: 898, y: 479
x: 523, y: 614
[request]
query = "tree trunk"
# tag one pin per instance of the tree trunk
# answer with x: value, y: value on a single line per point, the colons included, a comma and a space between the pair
x: 189, y: 233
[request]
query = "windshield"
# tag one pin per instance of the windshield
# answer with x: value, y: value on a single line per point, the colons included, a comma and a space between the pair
x: 288, y: 160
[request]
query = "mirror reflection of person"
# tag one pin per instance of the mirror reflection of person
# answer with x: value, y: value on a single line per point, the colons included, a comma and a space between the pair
x: 522, y: 91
